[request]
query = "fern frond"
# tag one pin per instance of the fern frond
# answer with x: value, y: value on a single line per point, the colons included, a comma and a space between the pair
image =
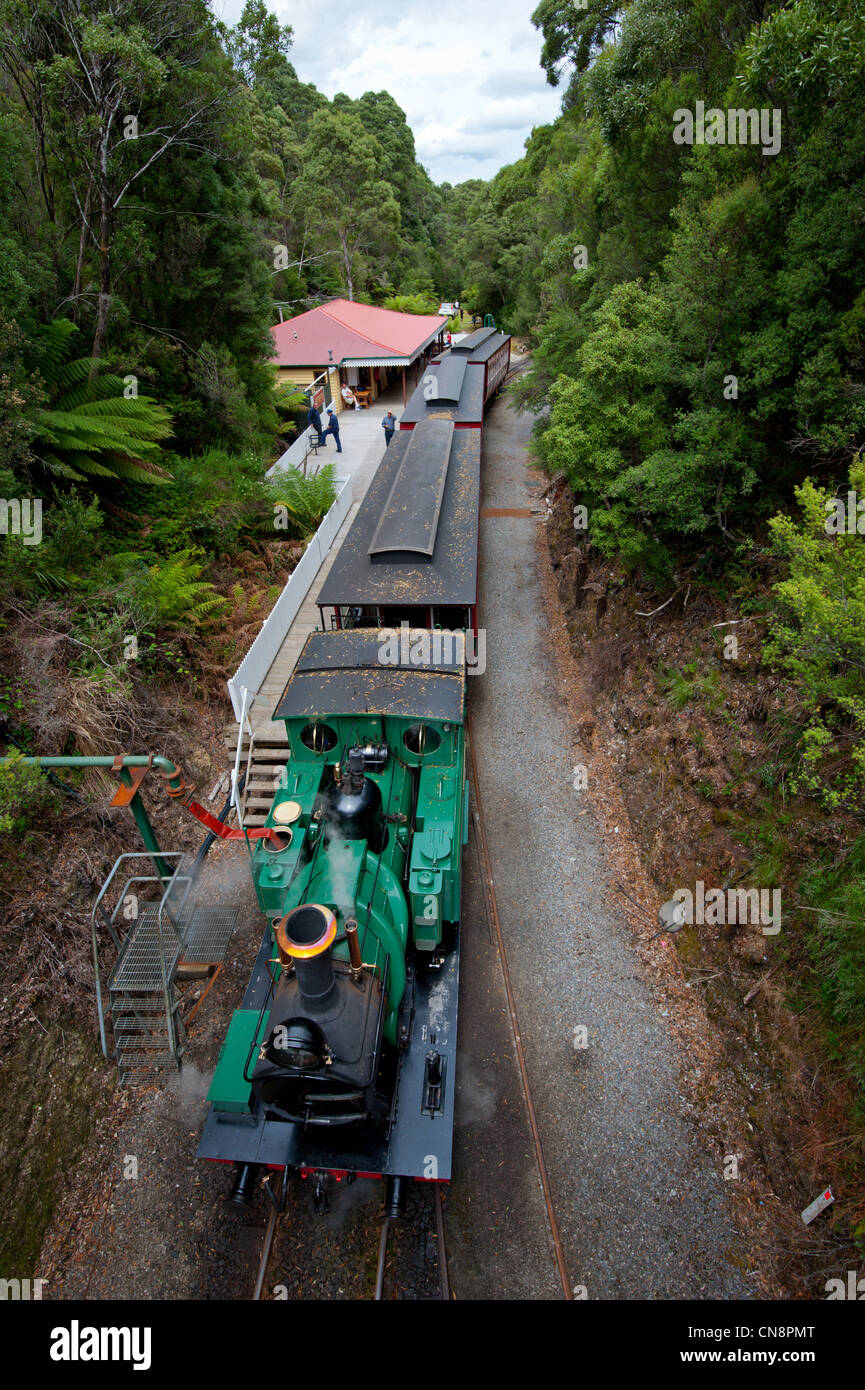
x: 88, y: 421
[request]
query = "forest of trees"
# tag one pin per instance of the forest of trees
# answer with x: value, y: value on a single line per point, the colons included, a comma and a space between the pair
x: 653, y: 274
x: 164, y: 180
x: 695, y: 313
x: 168, y: 188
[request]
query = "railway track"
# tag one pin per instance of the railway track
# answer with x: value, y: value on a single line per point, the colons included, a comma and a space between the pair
x: 411, y: 1254
x: 441, y: 1248
x: 397, y: 1261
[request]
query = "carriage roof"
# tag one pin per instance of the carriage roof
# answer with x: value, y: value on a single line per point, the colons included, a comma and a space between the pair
x: 419, y: 674
x: 414, y: 540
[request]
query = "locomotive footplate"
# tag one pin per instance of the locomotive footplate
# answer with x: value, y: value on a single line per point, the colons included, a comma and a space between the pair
x: 418, y: 1138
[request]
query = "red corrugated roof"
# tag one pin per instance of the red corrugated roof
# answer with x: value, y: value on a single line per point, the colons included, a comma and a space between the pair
x: 351, y: 330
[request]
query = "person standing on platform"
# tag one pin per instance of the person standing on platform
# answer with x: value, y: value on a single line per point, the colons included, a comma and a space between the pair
x: 333, y: 428
x: 388, y: 424
x: 314, y: 419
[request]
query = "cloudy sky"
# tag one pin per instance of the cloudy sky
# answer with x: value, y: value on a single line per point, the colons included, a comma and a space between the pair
x: 465, y: 72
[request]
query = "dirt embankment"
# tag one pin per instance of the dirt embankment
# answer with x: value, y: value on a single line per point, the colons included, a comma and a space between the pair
x: 678, y: 729
x: 55, y: 1085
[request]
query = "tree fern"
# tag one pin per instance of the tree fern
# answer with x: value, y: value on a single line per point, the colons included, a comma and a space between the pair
x: 306, y: 500
x: 88, y: 428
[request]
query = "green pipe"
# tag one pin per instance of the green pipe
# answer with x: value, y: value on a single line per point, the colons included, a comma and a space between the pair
x: 393, y: 933
x: 130, y: 760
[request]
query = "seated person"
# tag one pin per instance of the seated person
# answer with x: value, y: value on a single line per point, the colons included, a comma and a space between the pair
x: 349, y: 397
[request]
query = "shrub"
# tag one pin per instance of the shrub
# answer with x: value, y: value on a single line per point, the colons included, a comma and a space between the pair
x: 25, y: 794
x: 173, y: 594
x: 306, y: 500
x: 89, y: 427
x: 817, y: 635
x: 412, y: 304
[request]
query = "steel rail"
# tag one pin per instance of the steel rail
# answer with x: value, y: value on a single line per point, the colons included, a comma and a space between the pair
x: 382, y: 1256
x: 442, y: 1248
x: 265, y: 1254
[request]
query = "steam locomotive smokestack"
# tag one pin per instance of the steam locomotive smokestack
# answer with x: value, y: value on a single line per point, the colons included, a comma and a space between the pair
x: 307, y: 934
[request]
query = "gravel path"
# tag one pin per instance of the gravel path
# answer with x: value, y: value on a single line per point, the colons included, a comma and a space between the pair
x: 642, y: 1209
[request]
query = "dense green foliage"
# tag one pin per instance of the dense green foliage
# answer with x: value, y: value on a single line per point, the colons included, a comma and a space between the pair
x: 89, y: 424
x: 697, y: 312
x: 165, y: 178
x: 818, y: 636
x: 165, y: 181
x: 25, y: 794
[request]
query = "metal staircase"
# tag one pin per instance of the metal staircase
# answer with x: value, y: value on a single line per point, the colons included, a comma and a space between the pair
x: 155, y: 924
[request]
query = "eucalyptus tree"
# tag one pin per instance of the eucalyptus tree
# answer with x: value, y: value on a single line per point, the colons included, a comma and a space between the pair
x: 111, y: 86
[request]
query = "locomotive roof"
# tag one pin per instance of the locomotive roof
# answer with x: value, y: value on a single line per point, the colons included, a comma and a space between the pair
x: 459, y: 393
x: 393, y: 555
x: 377, y: 671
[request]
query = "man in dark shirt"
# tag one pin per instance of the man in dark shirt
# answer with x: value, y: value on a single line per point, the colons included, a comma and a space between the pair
x: 333, y: 428
x: 388, y: 424
x: 314, y: 419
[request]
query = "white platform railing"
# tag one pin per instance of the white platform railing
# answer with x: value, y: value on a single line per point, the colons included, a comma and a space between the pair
x: 295, y: 455
x: 246, y: 681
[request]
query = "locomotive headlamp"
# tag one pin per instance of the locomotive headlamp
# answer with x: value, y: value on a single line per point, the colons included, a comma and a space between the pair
x: 299, y: 1045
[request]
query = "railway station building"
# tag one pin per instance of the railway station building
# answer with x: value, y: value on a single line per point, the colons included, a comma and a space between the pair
x: 360, y: 346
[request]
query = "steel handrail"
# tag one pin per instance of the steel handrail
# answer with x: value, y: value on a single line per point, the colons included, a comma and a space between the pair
x: 97, y: 908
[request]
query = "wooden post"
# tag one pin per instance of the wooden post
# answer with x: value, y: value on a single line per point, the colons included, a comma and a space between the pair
x: 404, y: 396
